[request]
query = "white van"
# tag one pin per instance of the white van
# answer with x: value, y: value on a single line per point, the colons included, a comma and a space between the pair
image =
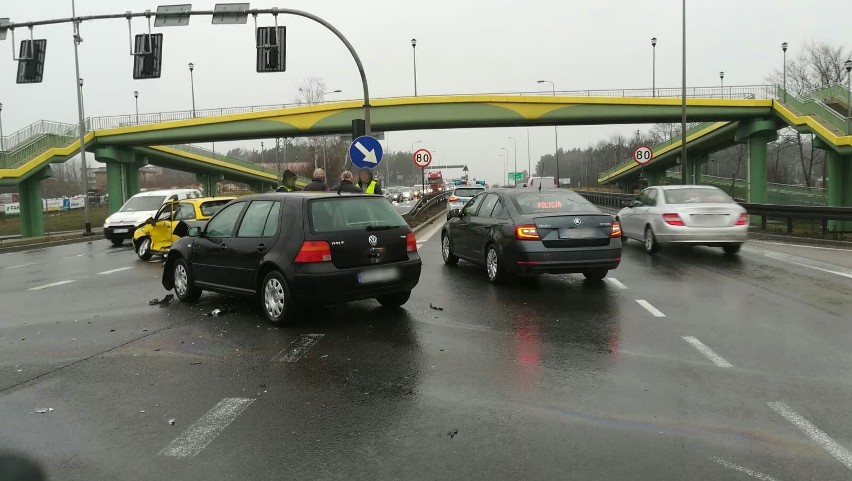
x: 543, y: 182
x: 140, y: 208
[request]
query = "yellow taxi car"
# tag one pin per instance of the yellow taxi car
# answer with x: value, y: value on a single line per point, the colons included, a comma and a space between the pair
x: 172, y: 222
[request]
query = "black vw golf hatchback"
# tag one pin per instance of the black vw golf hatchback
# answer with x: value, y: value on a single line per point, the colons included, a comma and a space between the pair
x: 294, y: 248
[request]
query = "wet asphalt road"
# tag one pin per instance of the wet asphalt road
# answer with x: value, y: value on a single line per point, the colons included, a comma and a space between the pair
x: 555, y: 378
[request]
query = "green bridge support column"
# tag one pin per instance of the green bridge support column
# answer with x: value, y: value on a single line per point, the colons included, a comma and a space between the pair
x: 123, y: 179
x: 210, y: 183
x: 31, y: 204
x: 654, y: 177
x: 757, y: 134
x: 839, y: 186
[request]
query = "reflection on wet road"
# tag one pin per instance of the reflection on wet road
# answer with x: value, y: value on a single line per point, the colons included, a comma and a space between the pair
x: 686, y: 365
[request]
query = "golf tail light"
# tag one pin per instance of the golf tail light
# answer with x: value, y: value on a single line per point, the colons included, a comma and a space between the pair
x: 616, y: 229
x: 453, y: 198
x: 673, y: 219
x: 410, y: 242
x: 526, y: 232
x: 743, y: 219
x: 314, y: 251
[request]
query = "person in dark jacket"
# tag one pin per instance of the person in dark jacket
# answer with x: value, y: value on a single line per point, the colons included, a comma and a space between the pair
x: 367, y: 183
x: 346, y: 184
x: 317, y: 182
x: 288, y: 181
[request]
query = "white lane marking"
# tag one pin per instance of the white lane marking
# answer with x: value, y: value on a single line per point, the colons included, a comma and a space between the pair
x: 71, y: 257
x: 782, y: 244
x: 21, y: 265
x: 648, y: 307
x: 708, y: 353
x: 833, y: 447
x: 617, y: 283
x: 743, y: 469
x: 819, y: 266
x: 204, y: 431
x: 112, y: 271
x: 298, y: 348
x: 54, y: 284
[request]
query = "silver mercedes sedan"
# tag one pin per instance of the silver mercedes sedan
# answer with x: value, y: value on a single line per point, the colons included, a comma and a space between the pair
x: 685, y: 214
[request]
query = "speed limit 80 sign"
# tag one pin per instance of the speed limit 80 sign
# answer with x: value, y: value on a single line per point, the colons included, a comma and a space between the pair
x: 422, y: 158
x: 643, y: 154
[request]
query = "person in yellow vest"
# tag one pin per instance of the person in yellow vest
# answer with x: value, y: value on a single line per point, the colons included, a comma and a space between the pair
x: 367, y: 183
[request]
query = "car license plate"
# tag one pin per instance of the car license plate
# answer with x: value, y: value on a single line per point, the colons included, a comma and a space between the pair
x: 708, y: 219
x: 120, y: 231
x: 582, y: 233
x: 378, y: 275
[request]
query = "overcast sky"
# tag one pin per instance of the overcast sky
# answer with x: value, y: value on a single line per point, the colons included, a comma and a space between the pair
x: 464, y: 46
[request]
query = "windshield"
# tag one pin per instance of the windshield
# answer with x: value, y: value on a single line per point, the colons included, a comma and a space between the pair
x: 697, y: 195
x: 143, y: 203
x: 551, y: 202
x: 467, y: 192
x: 352, y: 213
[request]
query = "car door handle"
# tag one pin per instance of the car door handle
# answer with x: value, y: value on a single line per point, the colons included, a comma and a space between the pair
x: 261, y: 247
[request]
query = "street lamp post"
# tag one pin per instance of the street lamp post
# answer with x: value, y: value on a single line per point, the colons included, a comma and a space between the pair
x: 505, y: 156
x: 848, y: 97
x: 654, y: 66
x: 262, y: 152
x: 784, y: 75
x: 515, y: 177
x: 87, y: 223
x: 192, y: 86
x: 414, y: 58
x: 555, y: 134
x: 722, y: 82
x: 2, y: 146
x: 136, y: 98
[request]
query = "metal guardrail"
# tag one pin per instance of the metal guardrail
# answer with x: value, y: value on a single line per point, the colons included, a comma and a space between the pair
x: 764, y: 211
x: 425, y: 203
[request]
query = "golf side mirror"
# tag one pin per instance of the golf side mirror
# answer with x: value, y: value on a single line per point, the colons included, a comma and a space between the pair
x: 194, y: 232
x: 453, y: 213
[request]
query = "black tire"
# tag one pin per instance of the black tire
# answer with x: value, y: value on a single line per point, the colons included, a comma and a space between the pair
x: 184, y: 287
x: 731, y: 249
x: 143, y: 249
x: 117, y: 241
x: 596, y: 274
x: 394, y: 300
x: 494, y: 265
x: 275, y: 299
x: 651, y: 244
x: 446, y: 253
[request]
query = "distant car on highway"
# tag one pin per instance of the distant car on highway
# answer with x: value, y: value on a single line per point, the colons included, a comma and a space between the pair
x: 416, y: 191
x: 303, y: 248
x: 393, y: 194
x: 138, y: 209
x: 530, y: 232
x: 461, y: 195
x: 685, y: 214
x: 172, y: 222
x: 541, y: 182
x: 405, y: 194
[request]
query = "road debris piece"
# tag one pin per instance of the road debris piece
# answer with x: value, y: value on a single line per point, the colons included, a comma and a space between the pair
x: 171, y: 422
x: 436, y: 307
x: 44, y: 410
x: 453, y: 433
x: 217, y: 312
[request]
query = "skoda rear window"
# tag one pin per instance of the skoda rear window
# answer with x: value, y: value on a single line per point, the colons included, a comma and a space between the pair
x: 143, y: 203
x: 551, y: 202
x: 353, y: 213
x: 467, y: 191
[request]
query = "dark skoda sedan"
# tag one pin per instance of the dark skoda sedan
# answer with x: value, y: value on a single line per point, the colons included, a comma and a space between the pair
x: 295, y: 248
x: 530, y: 232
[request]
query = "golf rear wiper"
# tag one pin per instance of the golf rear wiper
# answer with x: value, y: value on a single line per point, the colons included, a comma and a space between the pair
x: 381, y: 227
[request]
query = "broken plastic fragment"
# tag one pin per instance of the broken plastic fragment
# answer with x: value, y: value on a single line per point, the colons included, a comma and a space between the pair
x: 44, y: 410
x: 171, y: 422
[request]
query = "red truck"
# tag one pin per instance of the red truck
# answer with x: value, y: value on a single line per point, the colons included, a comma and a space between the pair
x: 436, y: 181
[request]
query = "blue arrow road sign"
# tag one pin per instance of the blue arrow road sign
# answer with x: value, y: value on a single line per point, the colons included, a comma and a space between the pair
x: 365, y: 151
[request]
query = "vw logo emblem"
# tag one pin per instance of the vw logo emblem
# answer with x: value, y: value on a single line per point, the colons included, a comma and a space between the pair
x: 373, y: 240
x: 577, y: 221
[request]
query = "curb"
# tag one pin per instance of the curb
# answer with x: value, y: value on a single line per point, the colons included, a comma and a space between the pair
x: 48, y: 241
x: 807, y: 241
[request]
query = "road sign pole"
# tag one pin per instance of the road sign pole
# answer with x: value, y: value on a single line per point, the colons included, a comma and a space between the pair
x: 423, y: 181
x: 87, y: 222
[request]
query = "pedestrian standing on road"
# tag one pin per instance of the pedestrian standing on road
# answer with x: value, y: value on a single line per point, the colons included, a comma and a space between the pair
x: 317, y: 182
x: 346, y: 184
x: 288, y: 181
x: 367, y: 183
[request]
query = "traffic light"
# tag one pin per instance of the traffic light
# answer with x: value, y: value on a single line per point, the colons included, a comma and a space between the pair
x: 31, y: 61
x: 148, y: 56
x: 271, y: 49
